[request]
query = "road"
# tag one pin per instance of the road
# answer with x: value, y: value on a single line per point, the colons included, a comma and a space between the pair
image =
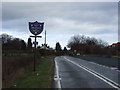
x: 77, y: 73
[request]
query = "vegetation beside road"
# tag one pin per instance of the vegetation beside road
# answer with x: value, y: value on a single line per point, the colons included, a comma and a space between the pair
x: 18, y: 57
x: 91, y: 46
x: 41, y: 78
x: 14, y: 67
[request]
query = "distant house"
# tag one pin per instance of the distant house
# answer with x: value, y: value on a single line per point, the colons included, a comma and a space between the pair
x: 115, y: 46
x: 45, y: 46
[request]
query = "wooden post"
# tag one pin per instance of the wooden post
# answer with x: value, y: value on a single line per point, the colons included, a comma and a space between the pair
x: 35, y: 54
x: 35, y: 51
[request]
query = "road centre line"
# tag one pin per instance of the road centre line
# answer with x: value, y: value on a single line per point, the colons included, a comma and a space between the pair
x: 105, y: 79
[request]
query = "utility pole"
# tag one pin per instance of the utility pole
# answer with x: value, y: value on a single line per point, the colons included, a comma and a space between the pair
x: 45, y: 36
x: 45, y: 45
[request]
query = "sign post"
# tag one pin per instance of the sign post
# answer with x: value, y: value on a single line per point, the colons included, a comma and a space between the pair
x: 35, y: 28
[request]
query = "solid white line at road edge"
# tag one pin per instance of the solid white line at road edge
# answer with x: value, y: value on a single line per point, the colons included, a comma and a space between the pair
x: 57, y: 74
x: 88, y: 70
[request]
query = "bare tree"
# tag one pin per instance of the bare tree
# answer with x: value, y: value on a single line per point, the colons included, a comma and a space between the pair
x: 11, y: 43
x: 6, y: 38
x: 86, y: 45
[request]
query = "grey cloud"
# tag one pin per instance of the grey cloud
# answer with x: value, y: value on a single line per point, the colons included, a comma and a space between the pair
x: 65, y: 10
x: 16, y: 15
x: 105, y: 31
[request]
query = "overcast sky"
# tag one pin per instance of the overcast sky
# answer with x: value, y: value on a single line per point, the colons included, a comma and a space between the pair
x: 62, y: 20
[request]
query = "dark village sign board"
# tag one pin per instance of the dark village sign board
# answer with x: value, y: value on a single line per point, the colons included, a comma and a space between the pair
x: 36, y: 27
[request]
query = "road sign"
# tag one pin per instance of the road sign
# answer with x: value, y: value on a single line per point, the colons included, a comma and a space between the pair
x: 35, y: 43
x: 36, y: 36
x: 36, y: 27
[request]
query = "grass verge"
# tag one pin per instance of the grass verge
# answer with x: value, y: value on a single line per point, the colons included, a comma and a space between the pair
x: 41, y: 78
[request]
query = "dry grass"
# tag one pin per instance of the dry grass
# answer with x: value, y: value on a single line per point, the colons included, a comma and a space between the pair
x: 14, y: 68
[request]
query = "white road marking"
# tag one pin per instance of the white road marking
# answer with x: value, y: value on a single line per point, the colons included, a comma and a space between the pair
x: 113, y: 68
x: 105, y: 79
x: 57, y: 78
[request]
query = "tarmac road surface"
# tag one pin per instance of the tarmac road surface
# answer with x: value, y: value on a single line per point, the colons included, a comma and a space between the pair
x: 77, y: 73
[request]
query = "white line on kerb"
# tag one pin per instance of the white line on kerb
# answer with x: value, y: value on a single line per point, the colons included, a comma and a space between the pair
x: 57, y: 76
x: 94, y: 73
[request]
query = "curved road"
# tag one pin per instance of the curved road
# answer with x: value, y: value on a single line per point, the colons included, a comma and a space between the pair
x: 77, y: 73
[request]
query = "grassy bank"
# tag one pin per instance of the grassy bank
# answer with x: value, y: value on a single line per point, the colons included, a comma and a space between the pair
x: 15, y: 67
x: 41, y: 78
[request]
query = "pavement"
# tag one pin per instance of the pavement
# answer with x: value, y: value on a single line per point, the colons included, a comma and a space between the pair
x: 72, y: 72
